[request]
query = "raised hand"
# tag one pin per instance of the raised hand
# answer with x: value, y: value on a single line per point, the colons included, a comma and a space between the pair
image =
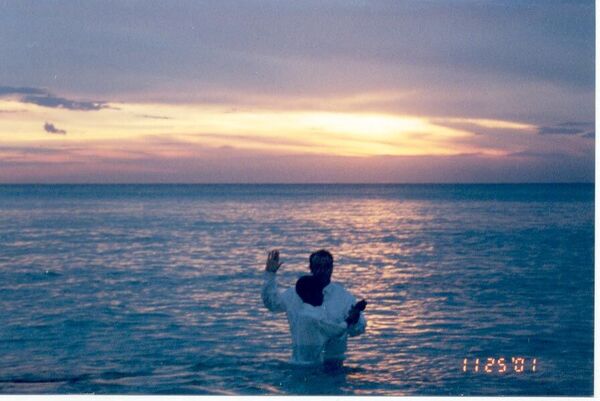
x: 360, y: 306
x: 354, y: 313
x: 273, y: 263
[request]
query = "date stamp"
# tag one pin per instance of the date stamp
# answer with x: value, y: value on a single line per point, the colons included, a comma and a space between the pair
x: 500, y: 365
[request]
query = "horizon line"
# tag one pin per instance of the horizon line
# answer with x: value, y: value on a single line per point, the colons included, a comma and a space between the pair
x: 306, y: 183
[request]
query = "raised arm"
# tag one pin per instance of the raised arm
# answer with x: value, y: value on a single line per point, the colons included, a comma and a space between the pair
x: 271, y: 295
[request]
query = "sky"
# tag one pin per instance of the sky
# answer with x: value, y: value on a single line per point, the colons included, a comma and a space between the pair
x: 297, y: 91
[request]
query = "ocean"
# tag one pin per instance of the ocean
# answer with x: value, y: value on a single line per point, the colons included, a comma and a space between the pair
x: 155, y: 289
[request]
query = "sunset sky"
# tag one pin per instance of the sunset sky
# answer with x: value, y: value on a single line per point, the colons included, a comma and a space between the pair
x: 297, y: 91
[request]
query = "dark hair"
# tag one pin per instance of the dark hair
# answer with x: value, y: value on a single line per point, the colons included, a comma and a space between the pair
x: 321, y: 261
x: 310, y: 290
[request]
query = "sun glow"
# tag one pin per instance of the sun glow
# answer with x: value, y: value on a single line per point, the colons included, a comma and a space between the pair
x: 135, y: 130
x: 489, y: 123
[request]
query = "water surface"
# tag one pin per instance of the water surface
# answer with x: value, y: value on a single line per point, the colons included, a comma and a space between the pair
x: 146, y: 289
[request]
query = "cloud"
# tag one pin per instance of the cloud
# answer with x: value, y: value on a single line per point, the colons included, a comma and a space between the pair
x: 576, y: 124
x: 219, y: 165
x: 559, y: 131
x: 50, y: 128
x: 152, y: 117
x: 591, y: 134
x: 530, y: 153
x: 572, y: 128
x: 196, y: 49
x: 41, y: 97
x: 53, y: 101
x: 30, y: 150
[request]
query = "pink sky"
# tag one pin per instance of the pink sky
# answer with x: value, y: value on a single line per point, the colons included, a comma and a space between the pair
x: 305, y: 92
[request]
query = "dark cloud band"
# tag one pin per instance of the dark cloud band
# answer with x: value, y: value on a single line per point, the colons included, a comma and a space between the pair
x: 44, y: 98
x: 572, y: 128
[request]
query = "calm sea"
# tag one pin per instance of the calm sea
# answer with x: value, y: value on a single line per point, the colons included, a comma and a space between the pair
x: 154, y: 289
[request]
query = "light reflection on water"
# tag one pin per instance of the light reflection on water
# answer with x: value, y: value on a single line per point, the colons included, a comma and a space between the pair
x: 149, y: 293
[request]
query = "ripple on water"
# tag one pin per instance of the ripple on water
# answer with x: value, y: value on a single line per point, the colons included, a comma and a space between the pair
x: 149, y: 293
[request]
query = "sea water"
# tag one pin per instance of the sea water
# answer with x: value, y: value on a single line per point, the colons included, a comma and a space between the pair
x: 155, y: 289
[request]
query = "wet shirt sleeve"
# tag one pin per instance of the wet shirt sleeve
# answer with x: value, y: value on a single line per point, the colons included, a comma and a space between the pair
x: 331, y: 329
x: 272, y: 296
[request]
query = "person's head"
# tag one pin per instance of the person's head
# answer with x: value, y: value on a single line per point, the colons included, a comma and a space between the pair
x: 309, y: 290
x: 321, y: 265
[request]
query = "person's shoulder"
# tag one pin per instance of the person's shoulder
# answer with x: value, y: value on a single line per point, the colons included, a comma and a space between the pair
x: 338, y: 289
x: 309, y: 310
x: 289, y: 293
x: 312, y: 313
x: 291, y: 298
x: 336, y: 286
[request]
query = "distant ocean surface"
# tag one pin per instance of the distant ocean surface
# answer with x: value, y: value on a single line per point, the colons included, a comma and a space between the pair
x: 155, y: 289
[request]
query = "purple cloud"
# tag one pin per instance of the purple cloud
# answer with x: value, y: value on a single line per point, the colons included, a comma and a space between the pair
x: 41, y: 97
x: 581, y: 128
x: 51, y: 129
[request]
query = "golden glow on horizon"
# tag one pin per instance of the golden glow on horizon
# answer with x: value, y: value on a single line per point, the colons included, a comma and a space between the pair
x: 488, y: 123
x: 132, y: 130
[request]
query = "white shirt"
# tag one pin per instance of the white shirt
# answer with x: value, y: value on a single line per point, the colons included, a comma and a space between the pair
x: 311, y: 332
x: 318, y: 333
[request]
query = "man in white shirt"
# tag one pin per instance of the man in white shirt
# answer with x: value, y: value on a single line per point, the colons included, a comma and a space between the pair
x: 313, y: 330
x: 336, y: 308
x: 310, y: 328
